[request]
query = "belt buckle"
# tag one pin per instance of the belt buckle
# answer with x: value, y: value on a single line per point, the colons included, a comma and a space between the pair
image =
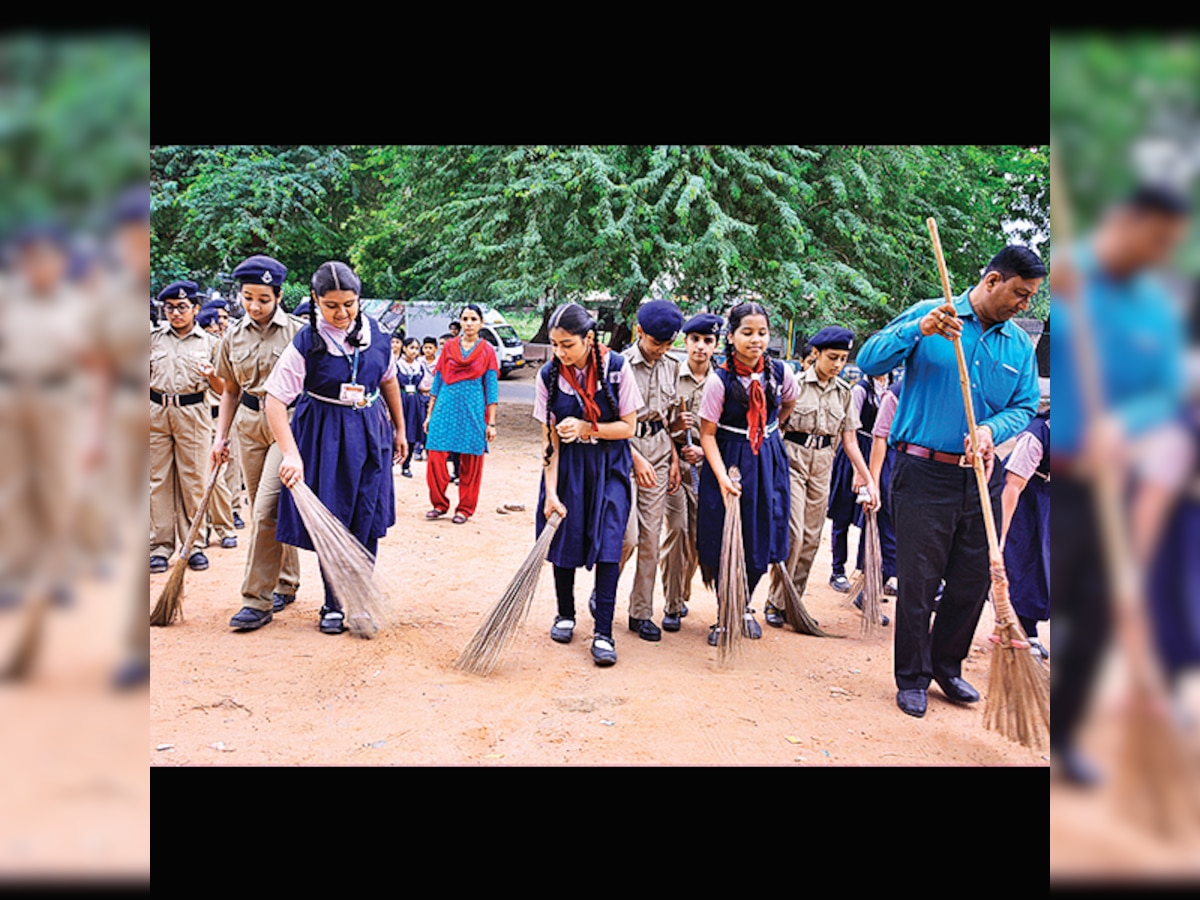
x: 962, y: 462
x: 810, y: 441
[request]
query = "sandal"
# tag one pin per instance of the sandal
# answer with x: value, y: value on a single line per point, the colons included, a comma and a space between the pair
x: 459, y: 519
x: 435, y: 513
x: 332, y: 621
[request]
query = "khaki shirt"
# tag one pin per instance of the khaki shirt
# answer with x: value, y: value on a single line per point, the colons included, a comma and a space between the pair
x: 173, y: 359
x: 689, y: 391
x: 657, y: 383
x: 248, y: 352
x: 823, y: 410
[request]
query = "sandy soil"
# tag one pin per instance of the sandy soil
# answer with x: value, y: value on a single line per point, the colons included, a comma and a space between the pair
x: 289, y: 695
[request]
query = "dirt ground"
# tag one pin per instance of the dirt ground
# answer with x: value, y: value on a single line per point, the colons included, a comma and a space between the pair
x: 289, y: 695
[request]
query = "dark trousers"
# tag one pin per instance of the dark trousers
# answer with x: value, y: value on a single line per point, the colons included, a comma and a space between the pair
x: 607, y: 575
x: 839, y: 540
x: 939, y: 535
x: 331, y: 600
x: 1082, y: 605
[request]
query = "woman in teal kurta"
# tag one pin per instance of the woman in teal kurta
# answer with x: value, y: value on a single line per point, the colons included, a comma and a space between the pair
x: 462, y: 416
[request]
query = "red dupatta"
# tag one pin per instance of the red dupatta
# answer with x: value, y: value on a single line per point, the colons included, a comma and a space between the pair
x: 454, y: 367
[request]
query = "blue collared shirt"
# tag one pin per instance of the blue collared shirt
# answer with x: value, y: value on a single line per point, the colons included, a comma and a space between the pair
x: 1000, y: 362
x: 1138, y: 343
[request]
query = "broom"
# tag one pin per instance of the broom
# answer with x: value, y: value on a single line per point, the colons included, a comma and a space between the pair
x: 504, y: 619
x: 872, y: 590
x: 1155, y: 784
x: 348, y: 566
x: 1018, y: 696
x: 170, y: 602
x: 732, y: 586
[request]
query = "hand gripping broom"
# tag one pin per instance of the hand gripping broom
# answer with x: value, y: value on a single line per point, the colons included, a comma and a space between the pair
x: 1018, y: 695
x: 1156, y: 785
x: 504, y: 619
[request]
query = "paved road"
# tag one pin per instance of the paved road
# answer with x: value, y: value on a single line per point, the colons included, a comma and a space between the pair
x: 519, y: 386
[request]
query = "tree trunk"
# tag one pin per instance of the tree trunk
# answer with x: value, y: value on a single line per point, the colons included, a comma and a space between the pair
x: 622, y: 334
x: 543, y: 332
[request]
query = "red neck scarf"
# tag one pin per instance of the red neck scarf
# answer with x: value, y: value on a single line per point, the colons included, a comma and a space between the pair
x: 453, y: 366
x: 756, y: 416
x: 586, y: 392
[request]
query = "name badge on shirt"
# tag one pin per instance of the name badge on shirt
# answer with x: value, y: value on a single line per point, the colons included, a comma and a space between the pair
x: 354, y: 393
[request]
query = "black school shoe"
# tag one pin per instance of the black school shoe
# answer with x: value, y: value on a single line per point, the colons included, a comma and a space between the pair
x: 840, y: 583
x: 750, y: 626
x: 883, y: 619
x: 279, y: 601
x: 562, y: 630
x: 248, y: 618
x: 333, y: 621
x: 775, y: 616
x: 197, y: 562
x: 645, y: 629
x: 912, y: 702
x: 158, y: 564
x: 132, y: 674
x: 229, y: 543
x: 604, y: 650
x: 238, y: 522
x: 406, y: 472
x: 671, y: 622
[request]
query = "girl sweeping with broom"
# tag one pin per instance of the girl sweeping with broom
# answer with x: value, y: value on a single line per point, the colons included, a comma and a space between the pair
x: 587, y: 402
x: 339, y: 443
x: 739, y: 426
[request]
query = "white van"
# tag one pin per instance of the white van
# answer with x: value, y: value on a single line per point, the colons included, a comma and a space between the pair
x: 428, y: 318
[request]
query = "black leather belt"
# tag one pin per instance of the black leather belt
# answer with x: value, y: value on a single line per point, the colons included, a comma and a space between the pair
x: 804, y: 439
x: 176, y: 399
x: 645, y: 429
x: 252, y: 402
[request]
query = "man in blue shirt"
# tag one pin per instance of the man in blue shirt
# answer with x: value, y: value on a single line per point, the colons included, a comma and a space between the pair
x: 936, y: 511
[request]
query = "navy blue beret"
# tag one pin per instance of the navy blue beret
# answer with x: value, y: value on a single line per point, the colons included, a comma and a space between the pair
x: 206, y: 317
x: 215, y: 304
x: 260, y: 270
x: 703, y: 323
x: 40, y: 232
x: 179, y: 290
x: 302, y: 308
x: 661, y: 319
x: 132, y: 206
x: 833, y: 338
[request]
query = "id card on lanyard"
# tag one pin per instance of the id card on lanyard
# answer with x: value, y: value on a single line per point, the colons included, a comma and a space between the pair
x: 353, y: 392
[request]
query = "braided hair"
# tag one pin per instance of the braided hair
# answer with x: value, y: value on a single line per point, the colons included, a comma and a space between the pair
x: 736, y: 315
x: 574, y: 319
x: 334, y: 276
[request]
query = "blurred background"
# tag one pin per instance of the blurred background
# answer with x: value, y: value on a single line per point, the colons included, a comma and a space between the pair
x: 1125, y: 345
x: 74, y: 273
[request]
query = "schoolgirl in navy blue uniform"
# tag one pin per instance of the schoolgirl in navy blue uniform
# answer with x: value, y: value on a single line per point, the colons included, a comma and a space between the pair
x: 587, y: 402
x: 339, y: 441
x: 739, y: 426
x: 410, y: 372
x: 1025, y: 527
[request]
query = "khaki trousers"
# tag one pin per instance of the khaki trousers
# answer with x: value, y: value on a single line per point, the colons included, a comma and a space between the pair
x: 180, y: 441
x: 679, y: 557
x: 810, y: 470
x: 271, y: 567
x: 643, y: 532
x: 220, y: 505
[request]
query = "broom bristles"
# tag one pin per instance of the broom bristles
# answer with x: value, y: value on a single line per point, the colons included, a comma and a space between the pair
x: 732, y: 585
x: 347, y: 564
x: 504, y: 619
x: 794, y: 610
x: 24, y: 653
x: 1018, y: 696
x: 169, y: 607
x: 872, y: 589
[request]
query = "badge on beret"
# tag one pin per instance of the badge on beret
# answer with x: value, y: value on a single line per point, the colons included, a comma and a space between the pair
x: 266, y: 277
x: 183, y: 293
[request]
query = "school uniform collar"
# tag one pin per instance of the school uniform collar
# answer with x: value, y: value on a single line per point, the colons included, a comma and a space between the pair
x: 810, y: 377
x: 635, y: 356
x: 278, y: 318
x: 196, y: 329
x: 339, y: 334
x: 963, y: 307
x: 686, y: 369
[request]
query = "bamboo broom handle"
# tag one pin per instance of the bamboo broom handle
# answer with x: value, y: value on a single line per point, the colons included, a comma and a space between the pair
x: 185, y: 550
x: 964, y: 381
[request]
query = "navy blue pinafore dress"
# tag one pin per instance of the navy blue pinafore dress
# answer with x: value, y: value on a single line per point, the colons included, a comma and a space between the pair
x: 594, y: 482
x: 1027, y: 547
x: 766, y: 490
x: 411, y: 401
x: 347, y: 451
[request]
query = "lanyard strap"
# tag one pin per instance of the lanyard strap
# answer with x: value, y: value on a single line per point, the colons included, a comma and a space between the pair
x: 354, y: 368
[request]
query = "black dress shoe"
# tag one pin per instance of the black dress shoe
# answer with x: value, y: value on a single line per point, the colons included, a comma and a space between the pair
x: 671, y: 622
x: 840, y: 583
x: 237, y: 521
x: 912, y: 702
x: 1074, y: 769
x: 132, y: 674
x: 883, y: 619
x: 645, y: 629
x: 248, y: 618
x: 604, y: 650
x: 279, y: 601
x: 750, y: 626
x: 406, y: 472
x: 333, y: 621
x: 958, y: 690
x: 775, y: 617
x: 158, y: 564
x: 683, y: 612
x: 228, y: 543
x: 197, y: 562
x: 713, y: 635
x: 562, y: 630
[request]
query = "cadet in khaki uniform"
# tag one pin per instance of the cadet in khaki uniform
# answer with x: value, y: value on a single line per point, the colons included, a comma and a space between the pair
x: 655, y: 462
x: 823, y: 415
x: 220, y: 506
x: 233, y: 468
x: 249, y: 351
x: 182, y: 367
x: 679, y: 557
